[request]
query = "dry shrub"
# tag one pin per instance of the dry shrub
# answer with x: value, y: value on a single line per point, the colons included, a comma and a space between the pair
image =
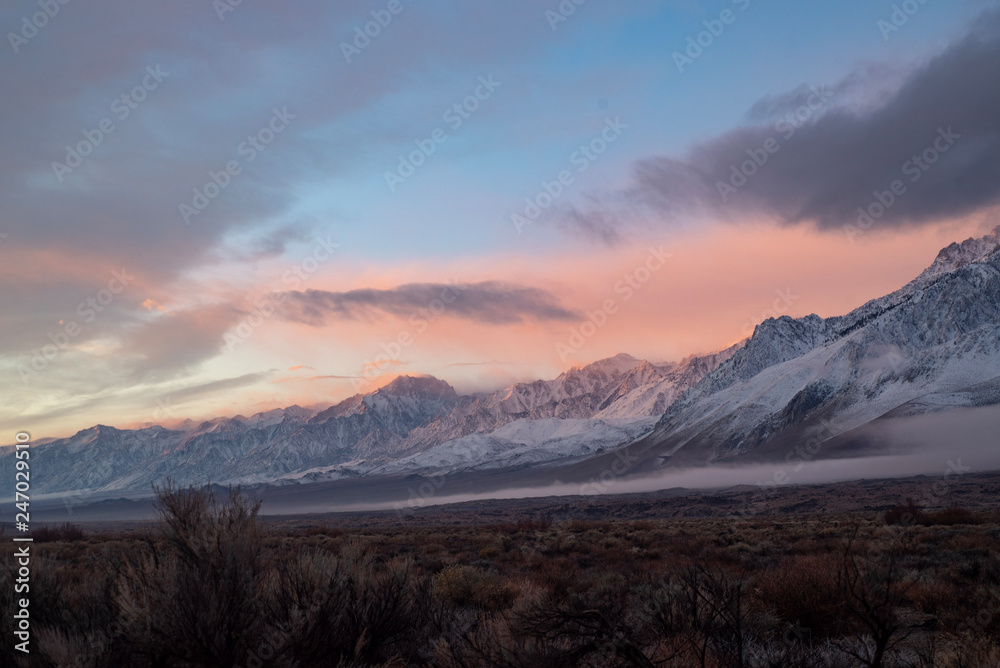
x: 69, y: 649
x: 469, y: 585
x: 65, y: 532
x: 803, y: 591
x: 932, y: 597
x: 542, y: 524
x: 603, y: 626
x: 349, y: 609
x: 905, y: 514
x: 196, y: 595
x: 329, y: 532
x: 559, y: 575
x: 950, y: 516
x: 489, y: 552
x: 910, y: 513
x: 971, y: 652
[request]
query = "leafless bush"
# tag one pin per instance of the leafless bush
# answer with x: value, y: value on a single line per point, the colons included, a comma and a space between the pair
x: 803, y: 593
x: 196, y: 595
x: 873, y: 588
x: 910, y: 513
x: 704, y: 610
x: 469, y: 585
x: 601, y: 627
x: 349, y: 609
x: 66, y: 532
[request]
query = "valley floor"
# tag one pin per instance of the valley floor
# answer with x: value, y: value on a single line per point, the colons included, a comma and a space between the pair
x: 847, y: 574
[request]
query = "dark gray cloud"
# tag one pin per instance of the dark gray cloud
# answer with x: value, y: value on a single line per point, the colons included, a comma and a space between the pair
x: 223, y: 80
x: 837, y: 155
x: 490, y: 302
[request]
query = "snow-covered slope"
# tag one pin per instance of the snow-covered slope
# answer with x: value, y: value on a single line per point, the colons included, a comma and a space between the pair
x: 525, y: 442
x: 938, y: 335
x: 517, y: 444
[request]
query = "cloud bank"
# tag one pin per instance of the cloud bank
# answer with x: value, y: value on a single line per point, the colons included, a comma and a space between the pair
x: 824, y: 156
x: 490, y: 302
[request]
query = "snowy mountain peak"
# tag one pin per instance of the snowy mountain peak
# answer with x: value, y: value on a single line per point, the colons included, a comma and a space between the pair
x: 958, y: 255
x: 774, y: 341
x: 426, y: 385
x: 620, y: 363
x: 404, y: 392
x: 95, y: 432
x: 617, y: 360
x: 277, y: 415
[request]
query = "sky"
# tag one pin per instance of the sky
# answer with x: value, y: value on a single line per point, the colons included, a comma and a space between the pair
x: 217, y: 208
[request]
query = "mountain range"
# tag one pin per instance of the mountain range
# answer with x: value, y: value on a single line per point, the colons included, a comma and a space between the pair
x: 931, y: 346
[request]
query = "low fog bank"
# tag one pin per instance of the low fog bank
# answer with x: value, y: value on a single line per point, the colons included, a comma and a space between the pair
x: 944, y: 444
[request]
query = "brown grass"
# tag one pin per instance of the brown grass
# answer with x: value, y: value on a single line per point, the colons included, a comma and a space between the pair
x: 211, y: 586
